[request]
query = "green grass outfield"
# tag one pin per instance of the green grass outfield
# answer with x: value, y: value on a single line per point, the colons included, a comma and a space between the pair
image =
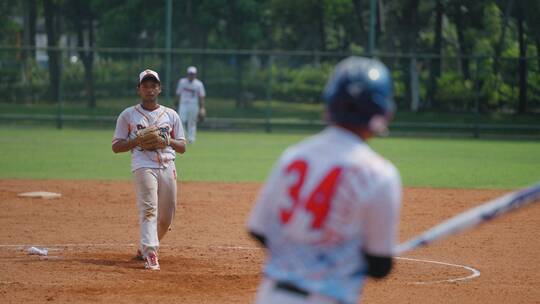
x: 38, y: 153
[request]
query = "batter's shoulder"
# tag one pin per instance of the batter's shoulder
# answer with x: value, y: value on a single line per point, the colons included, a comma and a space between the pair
x: 382, y: 164
x: 386, y: 170
x: 299, y: 147
x: 367, y: 160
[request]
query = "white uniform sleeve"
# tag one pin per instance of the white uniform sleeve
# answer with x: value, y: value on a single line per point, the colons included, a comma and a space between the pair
x: 382, y: 217
x: 122, y: 127
x: 177, y: 128
x: 202, y: 91
x: 179, y: 87
x: 259, y: 219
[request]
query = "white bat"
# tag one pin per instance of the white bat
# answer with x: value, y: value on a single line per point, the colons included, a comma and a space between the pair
x: 473, y: 217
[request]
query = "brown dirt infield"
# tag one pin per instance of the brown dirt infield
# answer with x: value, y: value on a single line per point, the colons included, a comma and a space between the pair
x: 91, y: 232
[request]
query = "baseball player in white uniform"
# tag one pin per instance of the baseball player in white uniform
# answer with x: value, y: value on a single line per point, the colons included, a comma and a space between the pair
x: 152, y: 162
x: 191, y: 93
x: 328, y: 213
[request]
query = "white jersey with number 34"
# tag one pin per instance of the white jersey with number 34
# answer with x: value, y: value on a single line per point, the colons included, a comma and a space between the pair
x: 327, y: 199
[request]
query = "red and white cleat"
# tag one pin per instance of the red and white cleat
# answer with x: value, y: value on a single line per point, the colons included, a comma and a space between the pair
x: 152, y: 261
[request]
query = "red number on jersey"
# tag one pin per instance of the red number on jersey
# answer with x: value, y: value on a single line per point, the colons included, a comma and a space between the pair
x: 320, y: 199
x: 300, y: 167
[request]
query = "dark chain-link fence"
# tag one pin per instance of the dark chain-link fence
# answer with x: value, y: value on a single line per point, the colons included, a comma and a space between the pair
x: 269, y: 89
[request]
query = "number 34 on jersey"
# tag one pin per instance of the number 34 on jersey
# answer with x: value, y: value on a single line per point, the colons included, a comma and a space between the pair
x: 316, y: 204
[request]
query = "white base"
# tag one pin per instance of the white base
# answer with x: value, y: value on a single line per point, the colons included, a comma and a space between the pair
x: 40, y: 194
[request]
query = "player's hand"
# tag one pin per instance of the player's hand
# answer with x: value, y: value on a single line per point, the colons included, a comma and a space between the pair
x: 202, y: 115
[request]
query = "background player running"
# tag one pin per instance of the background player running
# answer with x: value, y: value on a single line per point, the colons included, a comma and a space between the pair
x: 328, y: 213
x: 153, y: 133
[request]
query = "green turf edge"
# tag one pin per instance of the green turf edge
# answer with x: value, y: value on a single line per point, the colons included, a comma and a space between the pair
x: 81, y: 154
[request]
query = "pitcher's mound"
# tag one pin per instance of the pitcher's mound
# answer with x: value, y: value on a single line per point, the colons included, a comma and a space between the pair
x: 40, y: 194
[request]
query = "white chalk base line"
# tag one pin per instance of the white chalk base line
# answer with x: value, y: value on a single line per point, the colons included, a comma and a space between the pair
x: 474, y: 272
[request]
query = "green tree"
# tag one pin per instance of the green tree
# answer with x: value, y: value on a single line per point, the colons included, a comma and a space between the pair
x: 520, y: 19
x: 435, y: 66
x: 297, y: 25
x: 405, y: 37
x: 9, y: 28
x: 29, y: 12
x: 130, y: 23
x: 53, y: 17
x: 81, y: 16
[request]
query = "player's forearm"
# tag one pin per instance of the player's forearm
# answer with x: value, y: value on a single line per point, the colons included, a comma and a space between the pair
x: 259, y: 237
x: 124, y: 145
x: 201, y: 102
x: 179, y: 145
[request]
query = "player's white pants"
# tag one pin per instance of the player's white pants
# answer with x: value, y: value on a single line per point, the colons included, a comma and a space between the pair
x: 189, y: 114
x: 269, y: 294
x: 156, y: 201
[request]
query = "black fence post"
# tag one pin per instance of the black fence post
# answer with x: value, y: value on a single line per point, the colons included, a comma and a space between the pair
x: 59, y: 113
x: 268, y: 124
x: 477, y: 88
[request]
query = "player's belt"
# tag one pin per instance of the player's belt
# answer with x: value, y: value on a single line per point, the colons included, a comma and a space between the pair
x: 285, y: 286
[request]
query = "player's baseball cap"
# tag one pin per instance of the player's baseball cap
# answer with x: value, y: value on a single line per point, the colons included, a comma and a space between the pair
x: 148, y: 74
x: 192, y: 70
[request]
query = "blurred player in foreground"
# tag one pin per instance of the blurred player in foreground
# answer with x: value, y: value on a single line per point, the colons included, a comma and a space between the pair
x: 191, y: 108
x: 329, y: 211
x: 154, y: 134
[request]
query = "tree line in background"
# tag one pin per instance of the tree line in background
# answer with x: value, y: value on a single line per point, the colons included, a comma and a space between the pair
x: 464, y: 29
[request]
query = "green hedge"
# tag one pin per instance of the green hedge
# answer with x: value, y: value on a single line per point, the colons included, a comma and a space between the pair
x: 455, y: 92
x: 116, y: 78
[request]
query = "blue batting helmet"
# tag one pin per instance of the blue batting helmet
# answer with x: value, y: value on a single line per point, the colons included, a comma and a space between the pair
x: 358, y: 90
